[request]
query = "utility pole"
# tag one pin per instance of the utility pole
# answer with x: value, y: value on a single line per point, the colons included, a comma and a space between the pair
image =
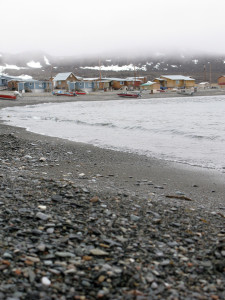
x: 210, y: 74
x: 51, y: 80
x: 204, y: 74
x: 100, y: 72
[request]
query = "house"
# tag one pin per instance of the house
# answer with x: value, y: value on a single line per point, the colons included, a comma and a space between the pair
x: 133, y: 82
x: 13, y: 84
x: 221, y: 81
x: 4, y: 79
x: 61, y: 80
x: 204, y: 85
x: 151, y: 86
x: 85, y: 85
x: 175, y: 81
x: 115, y: 83
x: 35, y: 86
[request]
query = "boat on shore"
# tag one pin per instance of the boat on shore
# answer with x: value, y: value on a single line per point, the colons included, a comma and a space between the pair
x: 185, y: 92
x: 10, y: 97
x: 62, y: 93
x: 81, y: 93
x: 129, y: 95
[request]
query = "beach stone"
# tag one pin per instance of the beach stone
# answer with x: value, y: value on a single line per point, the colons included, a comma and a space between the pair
x: 134, y: 218
x: 98, y: 252
x: 56, y: 198
x: 43, y: 216
x: 45, y: 281
x: 64, y: 254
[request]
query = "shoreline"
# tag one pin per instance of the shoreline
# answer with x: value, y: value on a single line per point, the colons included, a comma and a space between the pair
x: 81, y: 222
x: 202, y: 184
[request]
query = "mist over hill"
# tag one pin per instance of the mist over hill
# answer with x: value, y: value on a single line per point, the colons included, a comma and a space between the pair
x: 41, y: 65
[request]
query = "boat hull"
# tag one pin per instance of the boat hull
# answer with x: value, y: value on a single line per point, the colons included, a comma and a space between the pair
x: 80, y: 93
x: 129, y: 95
x: 8, y: 97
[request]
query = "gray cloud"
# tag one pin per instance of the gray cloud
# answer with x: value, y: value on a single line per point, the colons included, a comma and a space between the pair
x: 72, y: 28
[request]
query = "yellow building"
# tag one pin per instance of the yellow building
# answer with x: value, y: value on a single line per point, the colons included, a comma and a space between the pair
x: 175, y: 81
x: 221, y: 81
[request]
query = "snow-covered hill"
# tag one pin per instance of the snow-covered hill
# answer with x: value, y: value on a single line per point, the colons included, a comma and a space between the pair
x: 42, y: 65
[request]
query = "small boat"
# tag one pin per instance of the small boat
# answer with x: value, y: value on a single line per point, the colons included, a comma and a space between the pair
x: 130, y: 95
x: 61, y: 93
x: 10, y: 97
x: 80, y: 93
x: 185, y: 92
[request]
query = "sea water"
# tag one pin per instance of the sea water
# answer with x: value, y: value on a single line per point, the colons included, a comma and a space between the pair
x: 188, y: 130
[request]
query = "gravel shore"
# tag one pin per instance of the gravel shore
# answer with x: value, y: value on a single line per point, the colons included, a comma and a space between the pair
x: 79, y: 222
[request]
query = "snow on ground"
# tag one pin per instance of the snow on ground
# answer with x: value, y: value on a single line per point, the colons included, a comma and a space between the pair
x: 33, y: 64
x: 116, y: 68
x: 23, y: 76
x: 195, y: 61
x: 11, y: 67
x: 157, y: 66
x: 46, y: 61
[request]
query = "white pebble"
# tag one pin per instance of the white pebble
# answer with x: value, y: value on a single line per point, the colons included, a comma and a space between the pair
x: 45, y: 281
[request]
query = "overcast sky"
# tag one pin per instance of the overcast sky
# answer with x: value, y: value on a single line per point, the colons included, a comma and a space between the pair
x: 70, y: 27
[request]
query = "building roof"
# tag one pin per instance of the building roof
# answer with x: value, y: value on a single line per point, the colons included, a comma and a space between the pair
x: 113, y: 79
x: 64, y: 76
x: 133, y: 79
x: 148, y: 83
x: 177, y: 77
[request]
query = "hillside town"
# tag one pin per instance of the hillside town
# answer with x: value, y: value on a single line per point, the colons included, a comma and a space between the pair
x: 68, y: 81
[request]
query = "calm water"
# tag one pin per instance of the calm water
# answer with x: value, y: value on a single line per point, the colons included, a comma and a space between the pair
x: 186, y: 130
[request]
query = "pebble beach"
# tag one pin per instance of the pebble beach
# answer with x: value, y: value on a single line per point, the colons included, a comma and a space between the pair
x: 80, y: 222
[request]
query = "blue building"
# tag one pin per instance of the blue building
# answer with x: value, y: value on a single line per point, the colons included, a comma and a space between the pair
x: 4, y: 80
x: 81, y: 85
x: 35, y: 86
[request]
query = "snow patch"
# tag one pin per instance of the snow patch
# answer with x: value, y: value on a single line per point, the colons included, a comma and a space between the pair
x: 195, y: 61
x: 33, y: 64
x: 11, y: 67
x: 157, y: 66
x: 174, y: 66
x: 22, y: 77
x: 116, y: 68
x: 46, y: 61
x: 25, y: 77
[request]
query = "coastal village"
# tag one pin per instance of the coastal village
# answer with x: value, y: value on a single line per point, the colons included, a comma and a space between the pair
x: 68, y: 81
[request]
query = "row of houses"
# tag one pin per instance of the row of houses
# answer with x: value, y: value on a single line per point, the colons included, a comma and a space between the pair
x: 71, y: 82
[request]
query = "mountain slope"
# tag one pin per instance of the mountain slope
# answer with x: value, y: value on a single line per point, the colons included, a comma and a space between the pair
x: 41, y: 65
